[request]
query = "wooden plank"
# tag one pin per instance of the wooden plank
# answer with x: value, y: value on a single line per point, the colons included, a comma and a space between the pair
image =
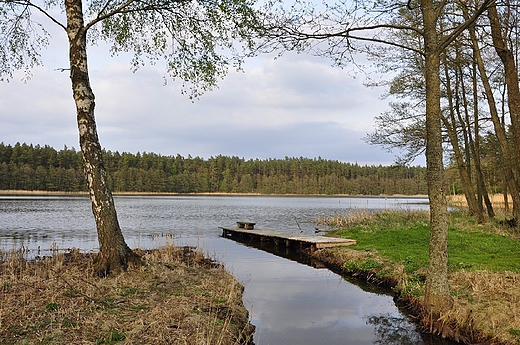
x: 312, y: 240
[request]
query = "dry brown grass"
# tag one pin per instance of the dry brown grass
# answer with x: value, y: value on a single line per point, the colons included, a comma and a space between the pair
x: 176, y: 297
x: 497, y: 200
x: 341, y: 221
x: 486, y: 305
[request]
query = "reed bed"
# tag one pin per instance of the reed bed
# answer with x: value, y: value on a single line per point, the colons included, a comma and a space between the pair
x: 363, y: 217
x: 497, y: 200
x: 341, y: 221
x: 176, y: 297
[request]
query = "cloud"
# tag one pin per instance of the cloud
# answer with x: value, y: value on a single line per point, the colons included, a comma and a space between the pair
x: 293, y: 106
x: 39, y: 111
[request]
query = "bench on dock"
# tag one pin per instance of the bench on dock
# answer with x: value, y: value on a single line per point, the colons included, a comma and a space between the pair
x: 246, y: 225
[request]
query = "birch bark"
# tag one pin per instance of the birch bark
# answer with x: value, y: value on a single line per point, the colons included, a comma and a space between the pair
x: 114, y: 254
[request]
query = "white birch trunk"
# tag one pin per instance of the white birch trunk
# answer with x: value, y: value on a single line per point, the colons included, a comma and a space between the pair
x: 113, y: 251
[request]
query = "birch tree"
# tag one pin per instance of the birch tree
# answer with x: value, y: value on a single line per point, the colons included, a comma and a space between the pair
x: 195, y: 39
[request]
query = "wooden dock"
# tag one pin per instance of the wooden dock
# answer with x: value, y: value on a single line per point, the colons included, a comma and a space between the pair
x: 287, y: 239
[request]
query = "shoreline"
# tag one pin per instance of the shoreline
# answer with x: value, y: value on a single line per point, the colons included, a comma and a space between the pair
x: 443, y: 327
x: 336, y: 261
x: 61, y: 193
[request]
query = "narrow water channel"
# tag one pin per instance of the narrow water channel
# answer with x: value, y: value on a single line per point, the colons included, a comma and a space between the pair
x: 290, y: 301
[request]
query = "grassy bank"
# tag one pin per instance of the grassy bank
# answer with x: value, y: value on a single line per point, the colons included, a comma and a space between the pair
x: 176, y: 297
x: 484, y: 270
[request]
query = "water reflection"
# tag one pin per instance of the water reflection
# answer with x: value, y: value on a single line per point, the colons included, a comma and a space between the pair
x: 390, y: 330
x: 295, y: 304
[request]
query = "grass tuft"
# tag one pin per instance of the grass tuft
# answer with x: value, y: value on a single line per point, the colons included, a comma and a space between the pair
x: 52, y: 306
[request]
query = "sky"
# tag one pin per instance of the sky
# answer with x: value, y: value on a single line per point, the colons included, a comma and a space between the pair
x: 296, y: 106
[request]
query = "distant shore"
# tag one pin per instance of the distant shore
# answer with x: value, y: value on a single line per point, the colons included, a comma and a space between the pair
x: 58, y: 193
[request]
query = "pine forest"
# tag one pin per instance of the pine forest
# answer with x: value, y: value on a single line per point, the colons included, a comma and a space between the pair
x: 43, y: 168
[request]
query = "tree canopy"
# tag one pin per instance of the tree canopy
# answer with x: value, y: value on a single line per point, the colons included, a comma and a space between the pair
x: 195, y: 40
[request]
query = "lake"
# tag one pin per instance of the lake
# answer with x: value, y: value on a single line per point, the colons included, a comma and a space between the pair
x: 289, y: 302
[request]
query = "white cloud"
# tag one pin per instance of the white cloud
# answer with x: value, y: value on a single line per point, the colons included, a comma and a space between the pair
x: 296, y: 105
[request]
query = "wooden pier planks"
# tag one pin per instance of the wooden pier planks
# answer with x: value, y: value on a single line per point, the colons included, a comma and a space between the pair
x: 288, y: 238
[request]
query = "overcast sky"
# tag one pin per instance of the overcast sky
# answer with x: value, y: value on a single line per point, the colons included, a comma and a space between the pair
x: 296, y: 105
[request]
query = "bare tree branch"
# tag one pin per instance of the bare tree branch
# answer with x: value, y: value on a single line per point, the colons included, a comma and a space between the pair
x: 40, y: 9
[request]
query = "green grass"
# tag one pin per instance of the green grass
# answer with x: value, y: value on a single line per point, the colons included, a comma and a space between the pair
x: 403, y: 237
x: 112, y: 338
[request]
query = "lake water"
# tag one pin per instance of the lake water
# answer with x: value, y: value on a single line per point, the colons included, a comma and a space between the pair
x: 289, y: 302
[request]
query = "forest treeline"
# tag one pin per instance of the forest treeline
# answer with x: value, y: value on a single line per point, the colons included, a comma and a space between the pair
x: 34, y: 167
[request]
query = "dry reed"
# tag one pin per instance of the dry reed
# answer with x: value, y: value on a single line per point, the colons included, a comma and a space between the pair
x: 497, y: 200
x: 177, y: 297
x: 341, y: 221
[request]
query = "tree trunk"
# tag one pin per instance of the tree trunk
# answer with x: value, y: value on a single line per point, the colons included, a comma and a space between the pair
x: 505, y: 196
x: 464, y: 175
x: 464, y: 172
x: 513, y: 93
x: 505, y: 152
x: 437, y: 297
x: 481, y: 187
x: 475, y: 149
x: 114, y: 254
